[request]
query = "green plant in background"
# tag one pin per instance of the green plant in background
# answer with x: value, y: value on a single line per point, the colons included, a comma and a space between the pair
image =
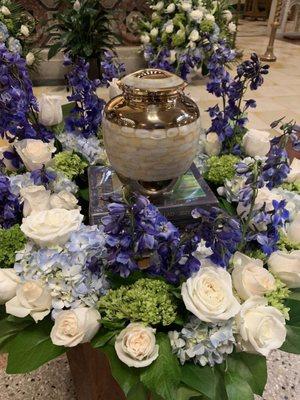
x: 82, y: 29
x: 220, y: 168
x: 69, y: 163
x: 11, y: 241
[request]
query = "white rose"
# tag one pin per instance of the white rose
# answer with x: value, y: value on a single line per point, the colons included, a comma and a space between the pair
x: 210, y: 17
x: 257, y: 143
x: 227, y: 15
x: 250, y: 278
x: 294, y: 174
x: 154, y: 32
x: 232, y: 27
x: 173, y: 54
x: 30, y: 58
x: 51, y: 227
x: 261, y: 327
x: 169, y: 27
x: 6, y: 146
x: 145, y: 39
x: 208, y: 294
x: 35, y: 198
x: 212, y: 144
x: 158, y: 6
x: 24, y: 30
x: 293, y: 229
x: 286, y: 266
x: 194, y: 35
x: 77, y: 5
x: 75, y: 326
x: 114, y: 89
x: 136, y: 345
x: 63, y: 199
x: 264, y: 197
x: 196, y: 15
x: 5, y: 11
x: 50, y: 110
x: 171, y: 8
x: 32, y: 298
x: 186, y: 5
x: 34, y: 153
x: 9, y: 281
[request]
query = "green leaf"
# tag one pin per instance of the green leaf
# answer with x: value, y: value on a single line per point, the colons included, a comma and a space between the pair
x: 138, y: 392
x: 102, y: 338
x: 206, y: 380
x: 126, y: 377
x: 237, y: 388
x: 293, y: 303
x: 31, y: 348
x: 66, y: 108
x: 292, y: 341
x: 185, y: 393
x: 84, y: 194
x: 54, y: 49
x: 9, y: 327
x: 164, y: 374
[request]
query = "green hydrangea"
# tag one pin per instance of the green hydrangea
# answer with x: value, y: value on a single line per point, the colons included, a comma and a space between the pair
x: 207, y: 26
x: 11, y: 241
x: 69, y: 163
x: 277, y: 297
x: 257, y: 254
x: 285, y: 244
x: 292, y: 187
x: 147, y: 300
x: 220, y: 168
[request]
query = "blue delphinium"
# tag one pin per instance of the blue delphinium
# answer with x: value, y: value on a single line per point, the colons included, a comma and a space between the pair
x: 202, y: 343
x: 43, y: 176
x: 110, y: 68
x: 86, y: 116
x: 10, y: 209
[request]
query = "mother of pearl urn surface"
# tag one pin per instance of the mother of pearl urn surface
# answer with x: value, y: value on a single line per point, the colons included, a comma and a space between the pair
x: 151, y: 131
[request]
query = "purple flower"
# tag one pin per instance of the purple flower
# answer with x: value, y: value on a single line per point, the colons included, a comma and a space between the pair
x: 110, y: 68
x: 10, y: 209
x: 42, y: 176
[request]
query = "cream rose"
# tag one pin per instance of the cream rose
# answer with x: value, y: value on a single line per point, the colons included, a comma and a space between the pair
x: 293, y: 229
x: 286, y: 266
x: 5, y: 11
x: 227, y: 15
x: 208, y: 294
x: 171, y: 8
x: 249, y: 277
x: 75, y: 326
x: 154, y: 32
x: 145, y: 39
x: 34, y: 153
x: 186, y: 5
x: 212, y: 144
x: 261, y: 327
x: 32, y: 298
x: 6, y: 146
x: 30, y: 58
x: 158, y: 6
x: 257, y: 143
x: 210, y: 17
x: 136, y: 345
x: 294, y: 174
x: 194, y: 35
x: 24, y: 30
x: 9, y: 281
x: 50, y: 110
x: 51, y: 227
x: 35, y: 199
x: 232, y: 27
x: 64, y: 200
x: 196, y: 15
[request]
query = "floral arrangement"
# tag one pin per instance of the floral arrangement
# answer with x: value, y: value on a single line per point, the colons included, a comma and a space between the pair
x: 17, y: 30
x: 181, y: 35
x: 180, y: 314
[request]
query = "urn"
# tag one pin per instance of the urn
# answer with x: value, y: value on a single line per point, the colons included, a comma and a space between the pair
x: 151, y: 131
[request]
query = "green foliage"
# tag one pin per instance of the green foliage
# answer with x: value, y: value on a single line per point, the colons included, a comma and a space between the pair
x: 102, y: 338
x: 292, y: 187
x: 10, y: 327
x: 207, y: 26
x: 164, y: 374
x: 292, y: 342
x: 69, y: 163
x: 83, y: 32
x: 277, y: 297
x: 146, y: 300
x: 11, y: 241
x: 285, y: 244
x: 257, y: 253
x: 220, y: 168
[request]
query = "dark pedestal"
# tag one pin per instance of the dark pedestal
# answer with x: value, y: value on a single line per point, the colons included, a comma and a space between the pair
x: 91, y: 375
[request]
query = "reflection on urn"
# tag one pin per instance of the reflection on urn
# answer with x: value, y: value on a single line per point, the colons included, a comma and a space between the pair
x: 151, y: 131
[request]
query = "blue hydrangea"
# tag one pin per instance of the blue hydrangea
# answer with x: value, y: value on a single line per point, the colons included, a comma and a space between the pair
x: 4, y: 34
x: 20, y: 181
x: 62, y: 182
x: 14, y: 45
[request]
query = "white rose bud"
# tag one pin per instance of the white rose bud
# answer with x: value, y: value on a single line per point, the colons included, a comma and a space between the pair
x: 5, y: 11
x: 51, y: 227
x: 194, y: 35
x: 232, y: 27
x: 24, y: 30
x: 257, y: 143
x: 261, y: 327
x: 169, y: 28
x: 173, y: 54
x: 196, y: 15
x: 6, y: 146
x: 212, y: 144
x: 186, y: 5
x: 286, y: 266
x: 77, y: 5
x: 136, y: 345
x: 154, y: 32
x: 32, y: 298
x: 294, y: 174
x: 208, y: 294
x: 145, y: 39
x: 227, y: 15
x: 30, y: 58
x: 50, y: 110
x: 158, y: 6
x: 64, y: 200
x: 210, y: 17
x: 250, y: 278
x: 9, y: 281
x: 75, y: 326
x: 293, y: 230
x: 35, y: 198
x: 34, y: 153
x: 171, y: 8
